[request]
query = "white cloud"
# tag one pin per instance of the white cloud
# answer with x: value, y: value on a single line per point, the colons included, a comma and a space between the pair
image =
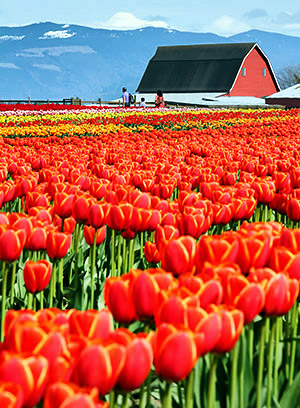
x: 56, y: 34
x: 50, y: 67
x: 55, y: 51
x: 11, y: 37
x: 8, y: 65
x: 227, y: 25
x: 128, y: 21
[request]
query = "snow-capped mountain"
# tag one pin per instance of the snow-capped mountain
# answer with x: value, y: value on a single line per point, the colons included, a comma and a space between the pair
x: 55, y: 61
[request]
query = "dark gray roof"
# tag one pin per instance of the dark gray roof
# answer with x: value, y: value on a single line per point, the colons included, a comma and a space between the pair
x: 194, y: 68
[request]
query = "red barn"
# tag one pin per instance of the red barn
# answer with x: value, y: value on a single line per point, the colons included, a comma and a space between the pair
x: 237, y: 69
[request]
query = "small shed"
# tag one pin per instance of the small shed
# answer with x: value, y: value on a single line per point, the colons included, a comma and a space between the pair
x: 289, y: 97
x: 234, y: 69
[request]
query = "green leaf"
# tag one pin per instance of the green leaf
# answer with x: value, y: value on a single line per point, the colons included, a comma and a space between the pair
x: 291, y: 397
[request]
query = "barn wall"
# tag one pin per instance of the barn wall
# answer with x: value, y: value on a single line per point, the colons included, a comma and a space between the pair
x: 254, y: 83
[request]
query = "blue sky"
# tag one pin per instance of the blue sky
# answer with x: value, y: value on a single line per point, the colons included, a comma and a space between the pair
x: 223, y: 17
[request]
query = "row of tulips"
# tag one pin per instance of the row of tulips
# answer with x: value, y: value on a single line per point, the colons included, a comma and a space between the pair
x: 141, y: 189
x: 203, y: 311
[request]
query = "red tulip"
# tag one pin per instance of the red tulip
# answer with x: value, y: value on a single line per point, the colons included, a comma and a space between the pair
x: 231, y: 328
x: 217, y: 249
x: 100, y: 366
x: 89, y: 234
x: 11, y: 395
x: 98, y: 214
x: 11, y: 244
x: 91, y: 324
x: 58, y: 244
x: 178, y: 255
x: 281, y: 294
x: 283, y: 260
x: 165, y: 233
x: 63, y: 204
x: 171, y: 345
x: 118, y: 299
x: 290, y: 238
x: 145, y: 290
x: 206, y: 328
x: 23, y: 223
x: 81, y: 206
x: 245, y: 296
x: 37, y: 275
x: 37, y: 239
x: 254, y: 249
x: 151, y: 252
x: 120, y: 217
x: 138, y: 362
x: 29, y: 337
x: 293, y: 209
x: 59, y: 394
x: 30, y: 373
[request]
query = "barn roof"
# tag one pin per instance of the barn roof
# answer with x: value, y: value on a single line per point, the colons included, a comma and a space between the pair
x: 206, y: 67
x: 291, y: 92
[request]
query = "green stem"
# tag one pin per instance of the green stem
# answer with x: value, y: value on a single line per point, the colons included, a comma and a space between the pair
x: 76, y: 247
x: 125, y: 400
x: 61, y: 276
x: 93, y: 262
x: 142, y: 397
x: 119, y: 256
x: 189, y: 396
x: 132, y: 253
x: 167, y: 397
x: 241, y: 371
x: 113, y: 245
x: 233, y: 377
x: 142, y: 245
x: 13, y: 279
x: 29, y: 300
x: 287, y: 346
x: 270, y: 364
x: 112, y: 399
x: 34, y: 303
x: 294, y: 343
x: 212, y: 383
x: 125, y: 257
x: 148, y: 390
x: 276, y: 364
x: 3, y: 300
x: 179, y: 392
x: 267, y: 331
x: 270, y: 214
x: 257, y: 213
x: 42, y: 300
x: 250, y: 341
x: 260, y: 365
x: 52, y: 284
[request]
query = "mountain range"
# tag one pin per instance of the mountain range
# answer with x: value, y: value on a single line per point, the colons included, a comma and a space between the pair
x: 56, y: 61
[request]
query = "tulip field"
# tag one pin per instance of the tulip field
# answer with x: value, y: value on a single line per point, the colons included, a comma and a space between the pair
x: 149, y: 257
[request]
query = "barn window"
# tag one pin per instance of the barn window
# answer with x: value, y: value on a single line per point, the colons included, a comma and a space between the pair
x: 264, y: 72
x: 243, y: 71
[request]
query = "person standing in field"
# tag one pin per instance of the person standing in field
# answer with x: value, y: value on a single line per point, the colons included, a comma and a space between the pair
x: 143, y: 103
x: 125, y: 98
x: 159, y: 99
